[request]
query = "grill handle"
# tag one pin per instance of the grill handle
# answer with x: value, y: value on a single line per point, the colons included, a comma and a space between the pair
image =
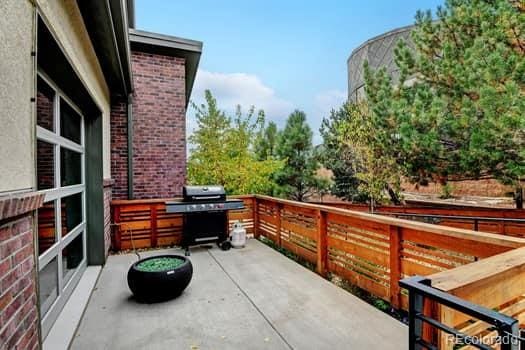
x: 205, y: 197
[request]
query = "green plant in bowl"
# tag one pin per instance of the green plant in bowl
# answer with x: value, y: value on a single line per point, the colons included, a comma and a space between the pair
x: 159, y: 264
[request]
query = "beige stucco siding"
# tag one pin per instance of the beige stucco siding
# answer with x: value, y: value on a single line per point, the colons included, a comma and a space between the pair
x: 65, y: 23
x: 16, y: 90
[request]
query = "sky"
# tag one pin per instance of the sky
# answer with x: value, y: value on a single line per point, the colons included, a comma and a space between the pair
x: 276, y: 55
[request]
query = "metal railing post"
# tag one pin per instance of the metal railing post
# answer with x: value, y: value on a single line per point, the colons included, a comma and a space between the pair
x: 415, y: 325
x: 420, y: 291
x: 510, y: 336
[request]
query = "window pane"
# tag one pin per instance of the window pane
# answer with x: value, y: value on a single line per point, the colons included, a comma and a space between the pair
x: 46, y: 227
x: 45, y: 167
x: 44, y: 105
x: 71, y: 212
x: 70, y: 167
x: 72, y: 256
x: 69, y: 122
x: 48, y: 285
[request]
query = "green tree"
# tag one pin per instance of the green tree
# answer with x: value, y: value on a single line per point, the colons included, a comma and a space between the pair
x: 266, y: 144
x: 322, y: 185
x: 297, y: 178
x: 222, y: 150
x: 336, y: 155
x: 458, y: 111
x: 374, y: 157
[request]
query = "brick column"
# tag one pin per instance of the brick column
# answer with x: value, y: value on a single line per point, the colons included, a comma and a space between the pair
x: 159, y: 125
x: 119, y: 149
x: 19, y: 319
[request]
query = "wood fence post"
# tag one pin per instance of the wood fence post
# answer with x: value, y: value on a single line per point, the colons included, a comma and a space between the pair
x: 395, y: 265
x: 445, y: 316
x: 153, y: 225
x: 431, y: 333
x: 117, y: 238
x: 322, y: 248
x: 278, y: 224
x: 255, y: 218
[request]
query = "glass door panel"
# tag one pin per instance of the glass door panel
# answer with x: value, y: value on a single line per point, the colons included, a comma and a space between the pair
x: 60, y: 177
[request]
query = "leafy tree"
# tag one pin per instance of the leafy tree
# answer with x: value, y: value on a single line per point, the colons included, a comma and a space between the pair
x: 322, y: 186
x: 458, y: 111
x: 297, y: 178
x: 337, y: 156
x: 222, y: 150
x: 266, y: 144
x: 374, y: 157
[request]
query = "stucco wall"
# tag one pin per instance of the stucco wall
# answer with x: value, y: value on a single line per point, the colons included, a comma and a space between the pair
x: 65, y: 23
x: 16, y: 88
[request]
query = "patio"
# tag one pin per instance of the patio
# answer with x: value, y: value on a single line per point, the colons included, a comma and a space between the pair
x: 253, y: 296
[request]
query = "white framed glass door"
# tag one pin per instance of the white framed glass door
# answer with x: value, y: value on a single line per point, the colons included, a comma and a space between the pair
x: 62, y: 236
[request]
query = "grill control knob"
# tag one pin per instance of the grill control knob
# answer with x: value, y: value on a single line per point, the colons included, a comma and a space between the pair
x: 203, y: 206
x: 193, y: 207
x: 210, y: 206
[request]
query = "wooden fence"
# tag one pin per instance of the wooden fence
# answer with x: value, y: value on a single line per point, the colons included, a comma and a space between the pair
x: 497, y: 282
x: 374, y: 252
x: 145, y: 223
x: 505, y: 221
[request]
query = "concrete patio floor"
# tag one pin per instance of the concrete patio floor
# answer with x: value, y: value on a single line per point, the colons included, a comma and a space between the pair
x: 251, y: 298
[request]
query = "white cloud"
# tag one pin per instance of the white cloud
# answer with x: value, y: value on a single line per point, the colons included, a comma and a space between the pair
x: 324, y: 102
x: 232, y: 89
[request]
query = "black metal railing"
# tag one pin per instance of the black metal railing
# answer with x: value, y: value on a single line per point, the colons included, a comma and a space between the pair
x: 419, y: 290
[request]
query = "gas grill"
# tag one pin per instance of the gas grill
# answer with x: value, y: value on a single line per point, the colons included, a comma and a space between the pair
x: 205, y: 214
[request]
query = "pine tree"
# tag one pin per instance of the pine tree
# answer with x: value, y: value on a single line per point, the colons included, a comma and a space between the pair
x: 266, y: 144
x: 459, y: 109
x: 297, y: 178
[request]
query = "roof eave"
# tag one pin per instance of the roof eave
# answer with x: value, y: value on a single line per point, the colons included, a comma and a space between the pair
x: 106, y: 23
x: 168, y: 45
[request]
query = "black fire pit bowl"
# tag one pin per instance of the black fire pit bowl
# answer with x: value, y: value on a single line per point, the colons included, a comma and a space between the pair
x: 156, y: 286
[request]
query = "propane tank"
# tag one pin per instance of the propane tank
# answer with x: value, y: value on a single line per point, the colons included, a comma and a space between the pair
x: 238, y: 235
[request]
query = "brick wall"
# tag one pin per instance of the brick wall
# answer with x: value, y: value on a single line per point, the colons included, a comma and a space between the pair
x: 19, y: 325
x: 159, y: 130
x: 119, y: 150
x: 159, y: 125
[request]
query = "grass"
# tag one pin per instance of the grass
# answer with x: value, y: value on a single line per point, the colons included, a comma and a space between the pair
x: 160, y: 264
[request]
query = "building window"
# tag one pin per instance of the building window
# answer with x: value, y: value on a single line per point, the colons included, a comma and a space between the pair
x: 60, y: 177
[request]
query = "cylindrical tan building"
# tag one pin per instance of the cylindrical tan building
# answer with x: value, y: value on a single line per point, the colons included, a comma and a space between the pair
x: 379, y: 52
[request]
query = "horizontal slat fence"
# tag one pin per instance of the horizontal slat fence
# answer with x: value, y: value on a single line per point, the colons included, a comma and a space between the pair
x: 145, y: 223
x: 371, y: 251
x: 459, y: 216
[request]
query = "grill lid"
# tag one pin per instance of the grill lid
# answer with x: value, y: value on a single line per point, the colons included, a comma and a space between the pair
x: 203, y: 193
